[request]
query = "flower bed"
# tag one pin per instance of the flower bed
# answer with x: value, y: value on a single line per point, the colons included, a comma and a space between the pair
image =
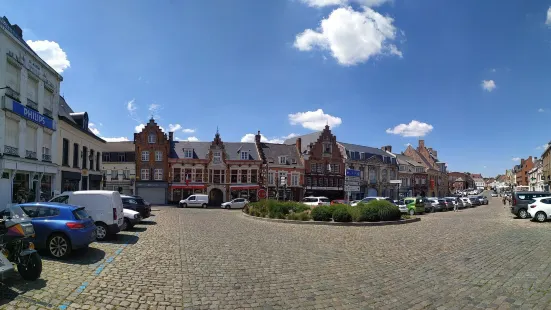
x: 374, y: 211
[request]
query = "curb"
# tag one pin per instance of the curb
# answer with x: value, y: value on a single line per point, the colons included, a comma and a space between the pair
x: 400, y: 222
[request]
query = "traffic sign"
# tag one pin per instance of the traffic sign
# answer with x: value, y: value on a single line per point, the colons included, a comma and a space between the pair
x: 352, y: 183
x: 261, y: 193
x: 348, y: 188
x: 352, y: 173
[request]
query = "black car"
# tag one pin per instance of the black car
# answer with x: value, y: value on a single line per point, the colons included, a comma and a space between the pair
x: 137, y: 204
x: 520, y: 201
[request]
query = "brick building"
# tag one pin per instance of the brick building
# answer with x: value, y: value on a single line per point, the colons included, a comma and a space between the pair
x: 413, y: 177
x: 323, y: 163
x: 152, y: 147
x: 459, y: 181
x: 436, y: 170
x: 223, y: 170
x: 283, y: 169
x: 522, y: 171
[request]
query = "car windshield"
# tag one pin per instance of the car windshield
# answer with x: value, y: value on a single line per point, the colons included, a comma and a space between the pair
x: 309, y: 200
x: 81, y: 214
x: 324, y: 199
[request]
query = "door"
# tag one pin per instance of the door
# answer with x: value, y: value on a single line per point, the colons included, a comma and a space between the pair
x: 84, y: 183
x: 152, y: 195
x: 192, y: 201
x: 216, y: 197
x: 238, y: 203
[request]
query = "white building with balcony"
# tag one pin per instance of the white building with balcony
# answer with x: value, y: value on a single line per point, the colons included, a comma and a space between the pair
x: 29, y: 95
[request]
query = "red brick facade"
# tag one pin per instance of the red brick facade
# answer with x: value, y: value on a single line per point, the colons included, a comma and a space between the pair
x: 522, y: 175
x: 437, y: 179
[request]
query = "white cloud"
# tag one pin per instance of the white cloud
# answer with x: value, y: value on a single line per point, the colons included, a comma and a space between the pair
x: 93, y: 129
x: 188, y: 130
x: 488, y: 85
x: 542, y: 147
x: 131, y: 107
x: 548, y: 19
x: 279, y: 140
x: 192, y: 139
x: 353, y: 37
x: 116, y: 139
x: 322, y: 3
x: 516, y: 158
x: 315, y: 120
x: 154, y: 109
x: 174, y: 127
x: 413, y: 129
x: 541, y: 110
x: 407, y: 144
x: 51, y: 53
x: 139, y: 128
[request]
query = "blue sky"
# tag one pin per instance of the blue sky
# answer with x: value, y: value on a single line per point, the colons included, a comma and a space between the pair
x: 290, y: 66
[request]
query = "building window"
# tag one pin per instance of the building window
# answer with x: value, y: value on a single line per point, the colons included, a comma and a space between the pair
x: 244, y: 155
x: 91, y: 159
x: 188, y: 153
x: 122, y: 157
x: 217, y: 176
x: 126, y: 174
x: 176, y: 175
x: 233, y: 176
x: 198, y: 175
x: 254, y: 176
x: 158, y: 156
x: 313, y: 168
x: 308, y: 181
x: 294, y: 179
x: 115, y: 175
x: 243, y: 178
x: 282, y: 160
x: 65, y: 160
x: 158, y: 174
x: 335, y: 168
x: 106, y: 157
x: 187, y: 174
x: 216, y: 158
x: 12, y: 133
x: 84, y: 156
x: 75, y: 155
x: 145, y: 174
x: 423, y: 181
x: 271, y: 176
x: 151, y: 138
x: 327, y: 148
x: 145, y: 155
x: 98, y: 156
x: 331, y: 182
x: 282, y: 178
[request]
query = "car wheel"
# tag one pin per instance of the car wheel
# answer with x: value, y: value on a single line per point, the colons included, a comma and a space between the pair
x: 411, y: 212
x: 126, y: 224
x: 522, y: 213
x: 59, y: 246
x: 184, y: 205
x: 541, y: 217
x: 204, y: 205
x: 228, y: 207
x: 101, y: 231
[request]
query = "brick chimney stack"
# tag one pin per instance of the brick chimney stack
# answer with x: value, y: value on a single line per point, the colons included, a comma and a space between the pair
x: 171, y: 136
x: 298, y: 143
x: 421, y: 144
x: 257, y: 137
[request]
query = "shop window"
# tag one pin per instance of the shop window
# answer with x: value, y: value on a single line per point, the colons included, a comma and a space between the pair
x: 233, y: 176
x: 243, y: 178
x: 254, y: 176
x: 145, y: 174
x: 177, y: 175
x: 65, y: 155
x: 21, y: 190
x: 198, y: 175
x: 46, y: 188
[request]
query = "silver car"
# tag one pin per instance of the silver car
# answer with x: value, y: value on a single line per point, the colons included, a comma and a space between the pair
x: 237, y: 203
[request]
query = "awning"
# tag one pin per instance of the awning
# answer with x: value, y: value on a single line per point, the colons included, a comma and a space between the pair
x: 196, y: 186
x: 243, y: 187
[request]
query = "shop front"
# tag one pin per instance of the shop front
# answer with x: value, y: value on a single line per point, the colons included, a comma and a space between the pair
x: 182, y: 191
x: 333, y: 193
x: 95, y: 181
x: 248, y: 192
x: 152, y: 192
x: 70, y: 181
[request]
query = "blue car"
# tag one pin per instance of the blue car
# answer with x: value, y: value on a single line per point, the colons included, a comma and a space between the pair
x: 59, y: 228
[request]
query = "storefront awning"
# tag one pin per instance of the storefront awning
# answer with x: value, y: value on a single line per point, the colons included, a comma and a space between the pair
x: 243, y: 187
x: 191, y: 186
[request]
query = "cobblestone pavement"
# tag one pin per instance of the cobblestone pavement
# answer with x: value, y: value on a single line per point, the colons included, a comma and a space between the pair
x: 209, y: 259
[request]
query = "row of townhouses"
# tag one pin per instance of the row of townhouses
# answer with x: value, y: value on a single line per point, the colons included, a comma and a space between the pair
x: 46, y: 148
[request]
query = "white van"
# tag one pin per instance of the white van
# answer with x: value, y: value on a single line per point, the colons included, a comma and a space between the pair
x: 194, y: 201
x: 105, y: 208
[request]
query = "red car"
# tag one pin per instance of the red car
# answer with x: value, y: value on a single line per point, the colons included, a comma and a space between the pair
x: 338, y: 202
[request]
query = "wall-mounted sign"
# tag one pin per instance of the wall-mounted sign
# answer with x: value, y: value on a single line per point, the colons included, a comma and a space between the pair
x: 33, y: 115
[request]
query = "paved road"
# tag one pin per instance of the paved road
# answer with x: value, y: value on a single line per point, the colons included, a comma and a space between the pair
x: 209, y: 259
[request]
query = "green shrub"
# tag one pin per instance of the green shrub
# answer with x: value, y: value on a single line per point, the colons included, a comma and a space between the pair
x: 341, y: 213
x: 321, y: 213
x: 386, y: 210
x: 301, y: 216
x: 368, y: 213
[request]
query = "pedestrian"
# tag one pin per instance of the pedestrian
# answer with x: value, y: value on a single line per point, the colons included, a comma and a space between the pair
x: 504, y: 200
x: 455, y: 205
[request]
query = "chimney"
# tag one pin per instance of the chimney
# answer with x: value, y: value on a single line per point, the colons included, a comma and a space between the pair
x: 257, y: 138
x: 421, y: 143
x: 171, y: 136
x: 17, y: 30
x: 135, y: 137
x: 298, y: 143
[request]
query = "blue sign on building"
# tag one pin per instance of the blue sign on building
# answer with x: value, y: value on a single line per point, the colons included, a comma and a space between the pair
x: 33, y: 115
x: 352, y: 173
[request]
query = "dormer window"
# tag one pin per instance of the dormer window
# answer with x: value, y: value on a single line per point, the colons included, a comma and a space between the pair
x: 282, y: 160
x: 244, y: 155
x: 293, y: 161
x: 151, y: 138
x: 188, y: 153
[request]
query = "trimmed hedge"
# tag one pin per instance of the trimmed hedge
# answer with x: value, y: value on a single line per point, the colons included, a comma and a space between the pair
x: 341, y: 214
x: 322, y: 213
x: 275, y: 209
x: 368, y: 213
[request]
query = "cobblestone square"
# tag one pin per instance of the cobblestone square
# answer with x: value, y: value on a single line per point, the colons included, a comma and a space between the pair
x: 218, y: 259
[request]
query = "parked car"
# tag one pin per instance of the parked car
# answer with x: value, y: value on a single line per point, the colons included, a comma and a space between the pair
x: 197, y: 200
x: 316, y: 201
x: 432, y: 206
x: 59, y: 228
x: 368, y: 199
x: 451, y: 202
x: 539, y: 209
x: 483, y: 200
x: 520, y: 200
x: 140, y: 197
x: 466, y: 202
x: 402, y: 205
x: 421, y: 204
x: 105, y: 208
x: 494, y: 194
x: 338, y: 201
x: 131, y: 218
x: 137, y: 204
x: 237, y: 203
x: 474, y: 201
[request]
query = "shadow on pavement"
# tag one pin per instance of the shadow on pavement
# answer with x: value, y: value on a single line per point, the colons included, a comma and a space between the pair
x: 138, y: 229
x: 79, y: 257
x: 147, y: 223
x: 122, y: 239
x: 15, y: 286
